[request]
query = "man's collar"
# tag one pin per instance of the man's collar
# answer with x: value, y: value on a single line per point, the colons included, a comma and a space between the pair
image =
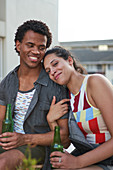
x: 42, y: 79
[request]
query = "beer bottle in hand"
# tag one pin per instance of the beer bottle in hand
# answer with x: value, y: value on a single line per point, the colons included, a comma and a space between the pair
x: 7, y: 124
x: 56, y: 145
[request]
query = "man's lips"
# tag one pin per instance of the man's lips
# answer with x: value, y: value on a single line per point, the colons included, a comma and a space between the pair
x: 33, y: 58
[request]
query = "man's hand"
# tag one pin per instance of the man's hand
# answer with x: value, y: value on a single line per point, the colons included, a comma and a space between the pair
x: 9, y: 140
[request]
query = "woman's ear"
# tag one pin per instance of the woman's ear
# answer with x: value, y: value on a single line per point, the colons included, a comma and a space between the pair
x: 70, y: 60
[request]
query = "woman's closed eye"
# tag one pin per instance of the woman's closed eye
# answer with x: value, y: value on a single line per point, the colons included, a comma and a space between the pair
x: 47, y: 71
x: 55, y: 64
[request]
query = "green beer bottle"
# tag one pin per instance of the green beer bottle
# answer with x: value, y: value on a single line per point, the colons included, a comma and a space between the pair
x: 56, y: 145
x: 7, y: 125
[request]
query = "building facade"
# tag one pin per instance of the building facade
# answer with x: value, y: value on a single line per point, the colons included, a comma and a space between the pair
x: 12, y: 14
x: 95, y: 56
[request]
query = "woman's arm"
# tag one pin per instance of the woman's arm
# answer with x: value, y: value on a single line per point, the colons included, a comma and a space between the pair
x: 100, y: 95
x: 56, y: 111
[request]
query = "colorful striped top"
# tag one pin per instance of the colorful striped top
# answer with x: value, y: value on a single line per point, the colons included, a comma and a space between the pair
x: 88, y: 118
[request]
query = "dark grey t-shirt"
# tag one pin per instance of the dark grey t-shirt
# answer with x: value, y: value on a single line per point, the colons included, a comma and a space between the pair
x: 35, y: 118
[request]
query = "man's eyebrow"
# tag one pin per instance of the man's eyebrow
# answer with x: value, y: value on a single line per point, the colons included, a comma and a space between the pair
x: 29, y: 43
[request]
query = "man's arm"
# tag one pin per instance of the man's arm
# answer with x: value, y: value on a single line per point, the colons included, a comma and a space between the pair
x: 15, y: 139
x: 47, y: 138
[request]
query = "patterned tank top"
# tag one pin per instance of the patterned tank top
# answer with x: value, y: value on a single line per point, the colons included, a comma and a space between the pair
x: 88, y: 118
x: 21, y: 106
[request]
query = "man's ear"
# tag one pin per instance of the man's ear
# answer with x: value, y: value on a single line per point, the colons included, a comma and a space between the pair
x: 18, y: 45
x: 70, y: 60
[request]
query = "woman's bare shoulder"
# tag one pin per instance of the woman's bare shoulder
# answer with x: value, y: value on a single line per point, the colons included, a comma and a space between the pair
x: 98, y: 80
x: 98, y: 84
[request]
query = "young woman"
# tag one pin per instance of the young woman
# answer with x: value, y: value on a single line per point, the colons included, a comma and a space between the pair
x: 91, y: 100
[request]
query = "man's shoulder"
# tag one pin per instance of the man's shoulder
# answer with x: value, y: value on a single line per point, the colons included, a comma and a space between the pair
x: 9, y: 76
x: 45, y: 80
x: 55, y: 85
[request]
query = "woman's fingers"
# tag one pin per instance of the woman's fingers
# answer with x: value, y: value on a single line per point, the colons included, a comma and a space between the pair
x: 57, y: 110
x: 63, y: 101
x: 57, y: 154
x: 53, y: 101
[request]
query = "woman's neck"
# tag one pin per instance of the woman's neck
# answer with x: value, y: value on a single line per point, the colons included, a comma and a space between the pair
x: 75, y: 82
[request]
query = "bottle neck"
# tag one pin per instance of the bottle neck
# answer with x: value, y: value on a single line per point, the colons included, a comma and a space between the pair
x: 57, y: 135
x: 8, y: 112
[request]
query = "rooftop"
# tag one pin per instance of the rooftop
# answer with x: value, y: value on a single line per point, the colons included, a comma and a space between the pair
x: 93, y: 56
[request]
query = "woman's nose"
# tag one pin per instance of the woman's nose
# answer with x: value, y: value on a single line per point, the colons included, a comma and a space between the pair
x: 53, y: 71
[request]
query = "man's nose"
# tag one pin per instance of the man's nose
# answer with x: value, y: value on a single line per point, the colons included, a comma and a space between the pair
x: 35, y: 51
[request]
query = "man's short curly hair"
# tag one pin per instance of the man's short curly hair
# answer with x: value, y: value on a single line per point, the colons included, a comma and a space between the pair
x: 36, y: 26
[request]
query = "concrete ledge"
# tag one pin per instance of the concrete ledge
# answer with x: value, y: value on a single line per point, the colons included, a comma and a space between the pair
x: 2, y: 29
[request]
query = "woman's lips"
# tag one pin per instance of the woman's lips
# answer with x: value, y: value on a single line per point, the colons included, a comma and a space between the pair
x: 57, y: 76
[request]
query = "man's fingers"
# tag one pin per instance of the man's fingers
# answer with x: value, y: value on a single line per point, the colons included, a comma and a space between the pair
x: 6, y: 134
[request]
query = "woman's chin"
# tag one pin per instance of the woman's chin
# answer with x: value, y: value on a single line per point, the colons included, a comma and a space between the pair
x: 60, y: 82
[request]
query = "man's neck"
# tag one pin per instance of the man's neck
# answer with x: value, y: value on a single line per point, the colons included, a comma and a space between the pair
x: 27, y: 77
x: 28, y: 72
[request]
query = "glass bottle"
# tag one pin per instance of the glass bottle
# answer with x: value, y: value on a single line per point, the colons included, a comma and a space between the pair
x: 7, y: 124
x: 56, y: 145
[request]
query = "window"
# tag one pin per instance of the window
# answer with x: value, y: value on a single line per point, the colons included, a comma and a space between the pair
x: 1, y: 68
x: 99, y: 67
x: 112, y: 81
x: 110, y: 66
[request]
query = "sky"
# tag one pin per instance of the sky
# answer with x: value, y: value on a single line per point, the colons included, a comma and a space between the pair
x: 84, y: 20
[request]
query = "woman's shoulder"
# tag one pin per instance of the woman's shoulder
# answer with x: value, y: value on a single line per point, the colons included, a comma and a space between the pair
x: 98, y: 81
x: 97, y: 78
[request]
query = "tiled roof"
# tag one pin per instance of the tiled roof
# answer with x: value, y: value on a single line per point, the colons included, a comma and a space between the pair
x: 92, y: 43
x: 88, y: 55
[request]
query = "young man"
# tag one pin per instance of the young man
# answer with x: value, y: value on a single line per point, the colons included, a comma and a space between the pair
x: 29, y: 91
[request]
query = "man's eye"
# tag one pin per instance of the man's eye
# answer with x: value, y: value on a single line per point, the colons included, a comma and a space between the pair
x: 30, y: 45
x: 42, y: 48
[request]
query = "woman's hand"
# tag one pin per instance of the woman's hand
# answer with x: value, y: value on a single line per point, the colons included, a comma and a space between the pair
x: 56, y: 111
x: 63, y: 160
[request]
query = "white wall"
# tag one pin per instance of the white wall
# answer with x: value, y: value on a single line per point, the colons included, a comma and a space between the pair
x: 1, y: 59
x: 109, y: 73
x: 18, y: 11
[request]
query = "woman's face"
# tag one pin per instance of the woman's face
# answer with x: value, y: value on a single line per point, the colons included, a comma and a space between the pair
x: 59, y: 70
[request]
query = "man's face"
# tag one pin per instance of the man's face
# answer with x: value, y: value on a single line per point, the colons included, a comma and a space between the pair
x: 32, y: 49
